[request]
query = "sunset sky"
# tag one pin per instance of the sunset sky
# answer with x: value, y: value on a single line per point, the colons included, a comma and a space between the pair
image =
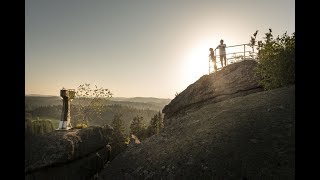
x: 138, y: 48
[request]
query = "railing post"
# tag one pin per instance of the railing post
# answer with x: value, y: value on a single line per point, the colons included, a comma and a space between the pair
x: 244, y: 51
x: 209, y: 66
x: 215, y: 53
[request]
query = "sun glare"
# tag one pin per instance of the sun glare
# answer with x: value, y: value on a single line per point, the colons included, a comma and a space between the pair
x: 197, y: 62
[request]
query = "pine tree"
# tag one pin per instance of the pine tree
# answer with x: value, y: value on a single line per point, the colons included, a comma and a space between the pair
x: 118, y: 125
x: 118, y: 136
x: 161, y: 124
x: 137, y: 127
x: 156, y: 124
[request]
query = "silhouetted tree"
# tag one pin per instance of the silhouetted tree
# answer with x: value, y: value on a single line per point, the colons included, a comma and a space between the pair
x: 253, y: 40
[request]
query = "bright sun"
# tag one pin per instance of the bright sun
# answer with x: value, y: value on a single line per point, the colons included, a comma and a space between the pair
x: 197, y: 62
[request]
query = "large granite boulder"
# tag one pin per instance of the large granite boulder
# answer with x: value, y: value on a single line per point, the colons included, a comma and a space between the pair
x: 49, y: 154
x: 234, y: 80
x: 223, y: 126
x: 247, y: 137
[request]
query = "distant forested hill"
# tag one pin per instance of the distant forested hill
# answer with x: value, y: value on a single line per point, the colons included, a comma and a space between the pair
x: 38, y: 107
x: 33, y: 102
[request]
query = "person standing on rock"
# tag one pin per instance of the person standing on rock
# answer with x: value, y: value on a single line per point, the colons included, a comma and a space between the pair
x: 222, y: 52
x: 213, y: 59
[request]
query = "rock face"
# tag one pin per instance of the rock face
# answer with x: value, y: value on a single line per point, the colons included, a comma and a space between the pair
x: 248, y: 137
x: 232, y: 81
x: 54, y: 155
x: 221, y: 127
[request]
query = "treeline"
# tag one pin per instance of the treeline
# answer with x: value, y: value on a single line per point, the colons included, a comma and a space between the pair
x: 106, y: 117
x: 53, y: 112
x: 33, y: 102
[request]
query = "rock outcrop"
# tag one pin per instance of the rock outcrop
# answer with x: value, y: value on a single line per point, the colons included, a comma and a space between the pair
x: 234, y: 80
x: 72, y: 154
x: 248, y: 137
x: 221, y: 127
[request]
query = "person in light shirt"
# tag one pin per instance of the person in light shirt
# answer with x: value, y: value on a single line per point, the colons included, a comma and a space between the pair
x: 222, y: 53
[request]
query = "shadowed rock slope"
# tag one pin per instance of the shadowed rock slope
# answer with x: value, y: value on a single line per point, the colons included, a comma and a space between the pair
x: 245, y: 135
x: 72, y: 154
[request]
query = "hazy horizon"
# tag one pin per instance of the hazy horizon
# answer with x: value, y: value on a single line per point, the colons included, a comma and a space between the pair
x: 140, y: 48
x: 111, y: 97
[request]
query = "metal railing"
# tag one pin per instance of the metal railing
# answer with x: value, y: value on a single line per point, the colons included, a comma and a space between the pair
x: 238, y: 53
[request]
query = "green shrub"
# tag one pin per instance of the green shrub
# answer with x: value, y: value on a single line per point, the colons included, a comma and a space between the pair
x: 41, y: 127
x: 276, y: 57
x: 81, y: 126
